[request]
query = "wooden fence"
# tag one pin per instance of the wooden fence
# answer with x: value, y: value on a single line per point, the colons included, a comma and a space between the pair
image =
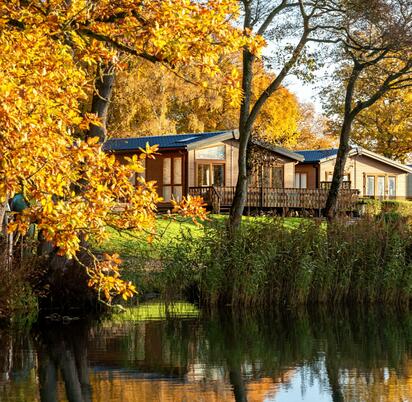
x: 267, y: 197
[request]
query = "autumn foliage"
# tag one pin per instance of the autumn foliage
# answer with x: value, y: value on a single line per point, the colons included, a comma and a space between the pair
x: 149, y: 100
x: 49, y: 51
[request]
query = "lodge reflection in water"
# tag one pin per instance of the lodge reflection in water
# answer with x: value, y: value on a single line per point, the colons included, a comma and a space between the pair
x: 223, y: 357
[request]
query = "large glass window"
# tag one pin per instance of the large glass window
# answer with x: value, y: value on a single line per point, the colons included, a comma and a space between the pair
x: 177, y: 170
x: 167, y: 171
x: 214, y: 153
x: 392, y: 186
x: 167, y: 193
x: 381, y: 186
x: 210, y: 174
x: 370, y: 185
x: 301, y: 180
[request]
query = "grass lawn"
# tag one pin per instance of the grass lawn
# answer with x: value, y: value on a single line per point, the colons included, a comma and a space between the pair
x: 141, y: 260
x: 153, y: 311
x: 129, y: 244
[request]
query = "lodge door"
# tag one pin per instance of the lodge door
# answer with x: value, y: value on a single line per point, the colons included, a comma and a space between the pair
x: 167, y: 170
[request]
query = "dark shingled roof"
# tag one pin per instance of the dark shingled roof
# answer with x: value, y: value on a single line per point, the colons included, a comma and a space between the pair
x: 315, y: 155
x: 164, y: 141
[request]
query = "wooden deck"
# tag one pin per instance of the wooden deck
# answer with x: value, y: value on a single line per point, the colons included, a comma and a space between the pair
x: 218, y: 198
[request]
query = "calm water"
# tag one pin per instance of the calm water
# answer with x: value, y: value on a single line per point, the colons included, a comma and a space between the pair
x: 144, y: 356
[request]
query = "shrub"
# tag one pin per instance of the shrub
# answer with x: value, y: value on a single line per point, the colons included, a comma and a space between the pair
x: 391, y: 208
x: 18, y: 302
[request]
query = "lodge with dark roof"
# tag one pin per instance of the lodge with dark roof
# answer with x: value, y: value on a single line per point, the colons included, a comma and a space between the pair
x: 373, y: 175
x: 206, y: 164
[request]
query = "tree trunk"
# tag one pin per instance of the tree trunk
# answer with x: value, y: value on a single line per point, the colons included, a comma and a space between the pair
x: 238, y: 205
x: 343, y: 151
x: 66, y: 278
x: 249, y: 115
x: 101, y: 100
x: 339, y: 170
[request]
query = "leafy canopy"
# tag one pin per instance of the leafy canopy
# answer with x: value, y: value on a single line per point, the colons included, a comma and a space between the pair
x: 49, y: 50
x: 152, y: 101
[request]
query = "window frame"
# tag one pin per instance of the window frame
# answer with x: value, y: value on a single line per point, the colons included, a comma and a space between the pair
x: 367, y: 176
x: 300, y: 174
x: 376, y: 177
x: 210, y: 163
x: 211, y: 159
x: 330, y: 175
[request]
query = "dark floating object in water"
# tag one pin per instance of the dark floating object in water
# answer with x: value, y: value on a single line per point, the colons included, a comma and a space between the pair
x: 57, y: 318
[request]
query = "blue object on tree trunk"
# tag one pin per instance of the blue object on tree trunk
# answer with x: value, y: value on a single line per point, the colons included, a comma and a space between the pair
x: 18, y: 203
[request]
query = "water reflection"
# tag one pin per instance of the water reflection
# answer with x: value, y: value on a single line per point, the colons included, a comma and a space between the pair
x: 293, y: 356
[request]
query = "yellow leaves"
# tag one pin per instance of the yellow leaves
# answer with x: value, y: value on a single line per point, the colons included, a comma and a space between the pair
x: 149, y: 152
x: 135, y: 163
x: 190, y: 207
x: 105, y: 278
x: 74, y: 189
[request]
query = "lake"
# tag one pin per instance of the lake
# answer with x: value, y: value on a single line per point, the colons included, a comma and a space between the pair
x: 183, y: 354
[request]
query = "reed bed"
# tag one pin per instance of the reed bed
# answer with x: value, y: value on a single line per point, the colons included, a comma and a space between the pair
x: 365, y: 261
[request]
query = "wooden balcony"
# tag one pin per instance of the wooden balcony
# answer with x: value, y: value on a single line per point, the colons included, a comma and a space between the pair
x: 218, y: 198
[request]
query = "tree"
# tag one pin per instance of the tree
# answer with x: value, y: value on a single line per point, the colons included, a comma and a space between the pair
x: 280, y: 20
x: 50, y: 52
x: 386, y: 127
x: 375, y: 50
x: 313, y: 130
x: 149, y: 100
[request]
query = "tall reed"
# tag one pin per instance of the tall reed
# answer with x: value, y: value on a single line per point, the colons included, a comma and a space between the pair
x: 366, y: 261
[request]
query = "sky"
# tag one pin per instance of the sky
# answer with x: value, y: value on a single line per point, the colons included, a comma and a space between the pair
x: 306, y: 93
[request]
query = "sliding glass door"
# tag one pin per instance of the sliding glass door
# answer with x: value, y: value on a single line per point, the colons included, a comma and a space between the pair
x: 172, y: 178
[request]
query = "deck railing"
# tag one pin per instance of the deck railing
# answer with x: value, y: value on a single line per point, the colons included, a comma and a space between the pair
x: 327, y: 184
x: 267, y: 197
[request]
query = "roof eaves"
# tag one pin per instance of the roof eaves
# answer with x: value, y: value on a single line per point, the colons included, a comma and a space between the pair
x: 280, y: 150
x: 289, y: 154
x: 330, y: 157
x: 227, y: 135
x: 381, y: 158
x: 373, y: 155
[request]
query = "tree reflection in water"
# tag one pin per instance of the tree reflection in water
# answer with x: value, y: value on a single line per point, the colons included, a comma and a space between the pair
x: 351, y: 355
x: 63, y: 350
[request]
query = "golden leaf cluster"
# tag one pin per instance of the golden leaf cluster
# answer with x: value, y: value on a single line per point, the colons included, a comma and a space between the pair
x: 49, y: 50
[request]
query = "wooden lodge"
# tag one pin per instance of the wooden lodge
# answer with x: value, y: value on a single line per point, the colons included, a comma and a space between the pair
x: 373, y: 175
x: 205, y: 164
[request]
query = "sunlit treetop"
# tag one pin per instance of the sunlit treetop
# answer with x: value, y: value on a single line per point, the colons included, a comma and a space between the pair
x: 173, y: 32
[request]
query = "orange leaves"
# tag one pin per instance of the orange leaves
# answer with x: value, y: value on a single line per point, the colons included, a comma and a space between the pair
x: 48, y: 49
x: 191, y: 207
x: 175, y: 32
x: 105, y: 278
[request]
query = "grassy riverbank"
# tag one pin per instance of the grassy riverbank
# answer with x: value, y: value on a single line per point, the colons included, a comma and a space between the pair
x: 129, y: 244
x: 275, y: 261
